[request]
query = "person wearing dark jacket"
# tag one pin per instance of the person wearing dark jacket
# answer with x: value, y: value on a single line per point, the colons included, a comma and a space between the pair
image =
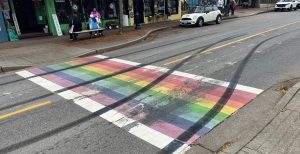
x: 75, y: 26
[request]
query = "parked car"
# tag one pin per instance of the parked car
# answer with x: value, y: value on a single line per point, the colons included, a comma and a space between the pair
x: 288, y: 5
x: 201, y: 15
x: 298, y: 4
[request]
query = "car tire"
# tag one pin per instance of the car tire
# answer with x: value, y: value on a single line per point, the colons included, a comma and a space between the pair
x: 295, y: 9
x: 200, y: 22
x: 219, y: 19
x: 290, y: 9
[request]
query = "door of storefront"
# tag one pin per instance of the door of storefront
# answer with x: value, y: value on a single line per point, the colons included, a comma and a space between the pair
x: 139, y: 7
x: 3, y: 31
x: 31, y: 15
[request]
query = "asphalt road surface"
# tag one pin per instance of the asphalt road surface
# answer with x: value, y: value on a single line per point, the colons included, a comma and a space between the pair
x: 155, y: 97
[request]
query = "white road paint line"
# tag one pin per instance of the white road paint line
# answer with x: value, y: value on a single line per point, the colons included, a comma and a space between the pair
x: 257, y: 91
x: 101, y: 56
x: 125, y: 61
x: 192, y: 76
x: 89, y: 104
x: 46, y: 84
x: 154, y: 137
x: 183, y: 149
x: 139, y: 130
x: 69, y: 95
x: 117, y: 118
x: 25, y: 74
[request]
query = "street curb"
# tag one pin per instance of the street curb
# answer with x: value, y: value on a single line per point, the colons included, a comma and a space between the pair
x: 279, y: 107
x: 122, y: 45
x: 119, y: 46
x: 234, y: 17
x: 129, y: 43
x: 288, y: 96
x: 266, y: 107
x: 4, y: 69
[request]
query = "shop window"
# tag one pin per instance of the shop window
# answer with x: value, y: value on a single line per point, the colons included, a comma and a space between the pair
x: 173, y: 6
x: 159, y: 7
x: 63, y: 11
x: 149, y: 8
x: 111, y: 9
x: 125, y: 7
x: 88, y: 6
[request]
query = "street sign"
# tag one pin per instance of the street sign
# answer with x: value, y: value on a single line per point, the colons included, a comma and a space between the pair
x: 57, y: 25
x: 16, y: 23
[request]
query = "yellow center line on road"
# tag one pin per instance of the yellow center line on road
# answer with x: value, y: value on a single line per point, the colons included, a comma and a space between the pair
x: 228, y: 44
x: 24, y: 110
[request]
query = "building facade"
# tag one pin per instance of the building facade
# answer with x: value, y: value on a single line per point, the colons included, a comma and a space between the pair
x: 53, y: 16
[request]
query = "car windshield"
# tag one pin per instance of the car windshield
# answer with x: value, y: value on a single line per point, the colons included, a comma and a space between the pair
x: 199, y: 9
x: 286, y: 0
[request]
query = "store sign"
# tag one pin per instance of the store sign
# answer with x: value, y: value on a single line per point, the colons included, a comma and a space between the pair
x: 16, y: 23
x: 57, y: 25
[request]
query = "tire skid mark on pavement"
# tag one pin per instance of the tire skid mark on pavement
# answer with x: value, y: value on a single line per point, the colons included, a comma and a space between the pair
x: 180, y: 99
x: 93, y: 60
x: 230, y: 43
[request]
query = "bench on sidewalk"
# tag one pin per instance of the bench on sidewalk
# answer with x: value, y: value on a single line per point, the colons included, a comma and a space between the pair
x: 90, y: 31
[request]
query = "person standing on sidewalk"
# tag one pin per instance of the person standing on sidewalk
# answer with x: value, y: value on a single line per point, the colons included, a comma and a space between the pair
x: 232, y: 6
x: 75, y: 26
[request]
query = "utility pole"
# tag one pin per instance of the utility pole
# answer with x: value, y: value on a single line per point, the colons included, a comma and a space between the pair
x: 121, y: 16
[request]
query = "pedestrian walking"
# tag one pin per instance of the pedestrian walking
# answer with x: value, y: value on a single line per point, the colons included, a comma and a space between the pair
x: 75, y: 26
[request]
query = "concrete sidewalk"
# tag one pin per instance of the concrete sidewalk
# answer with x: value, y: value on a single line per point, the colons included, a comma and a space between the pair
x: 49, y: 50
x: 269, y: 124
x: 282, y: 133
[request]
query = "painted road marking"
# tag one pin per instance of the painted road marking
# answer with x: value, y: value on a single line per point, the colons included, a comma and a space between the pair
x: 24, y: 110
x: 228, y: 44
x: 141, y: 131
x: 188, y: 75
x: 175, y: 103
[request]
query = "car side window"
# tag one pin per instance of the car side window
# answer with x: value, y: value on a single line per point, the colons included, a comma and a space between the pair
x: 215, y: 8
x: 208, y: 9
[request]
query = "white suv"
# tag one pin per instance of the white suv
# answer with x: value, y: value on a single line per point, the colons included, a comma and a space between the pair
x: 288, y: 5
x: 201, y: 15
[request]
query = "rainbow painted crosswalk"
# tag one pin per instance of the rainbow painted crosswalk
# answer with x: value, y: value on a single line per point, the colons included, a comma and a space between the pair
x: 166, y: 102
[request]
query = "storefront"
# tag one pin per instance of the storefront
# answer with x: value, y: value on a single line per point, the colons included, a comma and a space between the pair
x: 65, y: 8
x: 53, y: 16
x: 155, y: 10
x: 148, y: 10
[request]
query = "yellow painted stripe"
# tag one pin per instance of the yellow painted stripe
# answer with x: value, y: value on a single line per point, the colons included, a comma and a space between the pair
x: 211, y: 104
x: 24, y: 110
x: 228, y: 44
